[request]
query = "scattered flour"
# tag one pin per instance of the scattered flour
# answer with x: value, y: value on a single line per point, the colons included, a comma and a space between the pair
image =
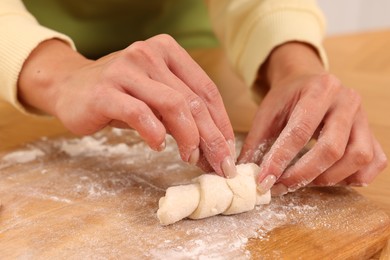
x: 55, y: 198
x: 123, y: 180
x: 223, y: 236
x: 23, y: 156
x: 90, y: 146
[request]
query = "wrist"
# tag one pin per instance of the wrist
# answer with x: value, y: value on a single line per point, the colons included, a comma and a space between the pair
x: 48, y: 65
x: 291, y: 59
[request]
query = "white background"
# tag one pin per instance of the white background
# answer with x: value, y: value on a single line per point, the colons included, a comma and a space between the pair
x: 347, y: 16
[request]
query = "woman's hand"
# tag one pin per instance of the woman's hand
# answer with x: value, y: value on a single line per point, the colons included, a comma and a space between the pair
x: 152, y: 86
x: 305, y: 102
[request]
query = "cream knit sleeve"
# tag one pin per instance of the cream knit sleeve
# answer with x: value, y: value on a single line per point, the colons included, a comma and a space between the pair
x: 20, y: 33
x: 250, y: 29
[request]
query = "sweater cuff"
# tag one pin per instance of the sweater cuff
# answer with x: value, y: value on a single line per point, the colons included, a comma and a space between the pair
x: 280, y: 26
x: 21, y: 35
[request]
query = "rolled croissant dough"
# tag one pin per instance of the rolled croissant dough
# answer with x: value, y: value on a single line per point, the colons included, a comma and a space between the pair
x: 210, y: 195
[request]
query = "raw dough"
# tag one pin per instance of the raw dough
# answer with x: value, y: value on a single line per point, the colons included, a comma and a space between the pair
x: 215, y: 196
x: 243, y: 187
x: 186, y: 197
x: 211, y: 195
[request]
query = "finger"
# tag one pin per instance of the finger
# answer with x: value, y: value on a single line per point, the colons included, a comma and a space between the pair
x: 303, y: 122
x: 165, y: 76
x: 331, y: 144
x: 268, y: 123
x: 358, y: 154
x: 119, y: 124
x: 174, y: 112
x: 191, y: 127
x: 137, y: 115
x: 216, y: 148
x: 204, y: 164
x: 192, y: 75
x: 367, y: 174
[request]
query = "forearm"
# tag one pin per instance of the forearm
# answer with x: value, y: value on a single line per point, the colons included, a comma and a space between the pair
x: 20, y: 35
x: 290, y: 60
x: 47, y: 65
x: 250, y: 30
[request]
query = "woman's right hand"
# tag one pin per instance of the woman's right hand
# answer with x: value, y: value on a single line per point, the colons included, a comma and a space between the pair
x: 152, y: 86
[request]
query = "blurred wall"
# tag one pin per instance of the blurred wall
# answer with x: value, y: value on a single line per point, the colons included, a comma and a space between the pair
x: 345, y: 16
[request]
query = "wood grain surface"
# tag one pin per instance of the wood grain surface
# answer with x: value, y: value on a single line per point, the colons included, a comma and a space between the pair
x: 39, y: 211
x: 97, y: 197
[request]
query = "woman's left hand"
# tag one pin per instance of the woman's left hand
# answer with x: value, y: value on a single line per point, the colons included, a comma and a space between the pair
x: 306, y: 103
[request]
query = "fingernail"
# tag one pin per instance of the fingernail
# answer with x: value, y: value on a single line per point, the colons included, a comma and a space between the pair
x: 161, y: 147
x: 194, y: 157
x: 228, y: 167
x: 232, y: 148
x: 279, y: 189
x: 266, y: 184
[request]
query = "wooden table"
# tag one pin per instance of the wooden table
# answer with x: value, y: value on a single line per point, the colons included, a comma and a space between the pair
x: 362, y: 61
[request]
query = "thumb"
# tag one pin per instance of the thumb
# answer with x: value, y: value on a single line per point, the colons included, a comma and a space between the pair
x: 267, y: 125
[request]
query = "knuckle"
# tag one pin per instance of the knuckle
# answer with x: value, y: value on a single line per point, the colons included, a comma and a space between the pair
x: 165, y: 38
x: 332, y: 152
x: 341, y: 127
x: 196, y: 105
x: 354, y: 96
x: 164, y: 41
x: 138, y: 47
x: 352, y: 99
x: 172, y: 103
x: 330, y: 82
x: 280, y: 161
x: 210, y: 92
x: 141, y: 50
x: 302, y: 132
x: 225, y: 126
x: 215, y: 145
x: 382, y: 162
x: 132, y: 112
x: 362, y: 158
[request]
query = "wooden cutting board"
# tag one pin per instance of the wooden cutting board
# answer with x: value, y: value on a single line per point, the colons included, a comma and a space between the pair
x: 96, y: 198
